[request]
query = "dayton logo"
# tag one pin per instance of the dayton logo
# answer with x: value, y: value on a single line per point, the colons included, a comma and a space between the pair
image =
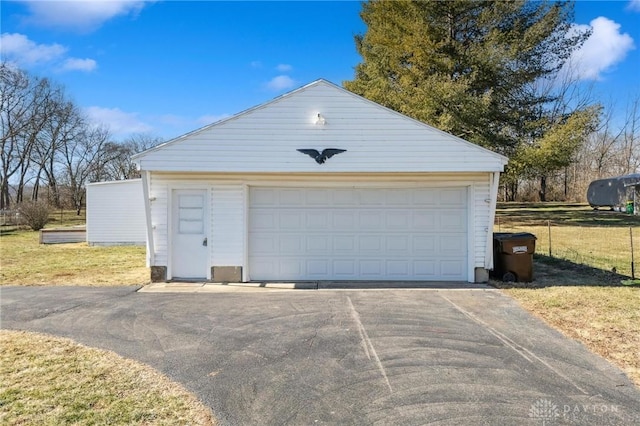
x: 545, y: 411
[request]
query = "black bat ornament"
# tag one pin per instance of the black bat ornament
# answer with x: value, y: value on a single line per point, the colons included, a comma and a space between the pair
x: 323, y: 156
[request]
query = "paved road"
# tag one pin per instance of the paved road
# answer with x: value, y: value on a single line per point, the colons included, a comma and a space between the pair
x: 305, y: 357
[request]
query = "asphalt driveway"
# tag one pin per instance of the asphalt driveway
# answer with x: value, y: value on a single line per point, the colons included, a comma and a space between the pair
x: 305, y: 357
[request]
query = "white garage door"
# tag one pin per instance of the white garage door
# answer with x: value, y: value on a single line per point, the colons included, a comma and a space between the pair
x: 358, y: 234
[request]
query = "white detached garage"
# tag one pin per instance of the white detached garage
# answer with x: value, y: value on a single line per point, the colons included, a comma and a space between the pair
x: 319, y: 184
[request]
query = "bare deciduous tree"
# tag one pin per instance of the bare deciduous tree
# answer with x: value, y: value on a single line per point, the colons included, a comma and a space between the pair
x: 24, y: 109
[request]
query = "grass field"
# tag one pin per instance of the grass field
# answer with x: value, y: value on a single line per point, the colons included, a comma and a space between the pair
x: 24, y: 261
x: 53, y: 381
x: 578, y: 233
x: 578, y: 291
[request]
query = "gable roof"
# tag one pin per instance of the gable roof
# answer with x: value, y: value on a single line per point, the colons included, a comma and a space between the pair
x: 319, y: 115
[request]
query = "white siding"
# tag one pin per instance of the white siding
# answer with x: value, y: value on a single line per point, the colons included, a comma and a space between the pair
x: 228, y: 209
x: 115, y: 213
x: 227, y: 227
x: 266, y: 139
x: 480, y: 208
x: 227, y: 216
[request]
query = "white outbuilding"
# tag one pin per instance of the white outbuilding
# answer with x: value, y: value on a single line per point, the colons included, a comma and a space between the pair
x: 319, y: 184
x: 115, y: 213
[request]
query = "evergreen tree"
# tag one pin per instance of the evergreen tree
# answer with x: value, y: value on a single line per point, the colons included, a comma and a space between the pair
x: 471, y: 68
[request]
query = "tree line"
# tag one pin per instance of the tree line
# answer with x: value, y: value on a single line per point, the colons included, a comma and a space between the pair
x: 50, y: 149
x: 498, y: 74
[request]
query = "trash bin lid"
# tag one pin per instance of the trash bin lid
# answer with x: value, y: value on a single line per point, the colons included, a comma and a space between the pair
x: 513, y: 236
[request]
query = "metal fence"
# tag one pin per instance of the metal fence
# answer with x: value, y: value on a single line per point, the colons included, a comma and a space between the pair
x: 10, y: 218
x: 610, y: 248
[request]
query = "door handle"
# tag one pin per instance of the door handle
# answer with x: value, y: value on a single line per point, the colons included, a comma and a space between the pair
x: 204, y: 242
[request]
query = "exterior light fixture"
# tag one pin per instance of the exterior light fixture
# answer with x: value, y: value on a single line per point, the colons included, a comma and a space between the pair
x: 320, y: 121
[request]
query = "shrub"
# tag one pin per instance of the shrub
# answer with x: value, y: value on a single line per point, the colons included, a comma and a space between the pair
x: 34, y: 213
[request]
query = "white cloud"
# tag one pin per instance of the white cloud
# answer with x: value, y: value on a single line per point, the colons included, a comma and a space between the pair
x: 119, y: 122
x: 17, y: 48
x: 81, y: 15
x: 281, y: 82
x: 256, y: 64
x: 605, y: 48
x: 284, y: 67
x: 634, y: 5
x: 75, y: 64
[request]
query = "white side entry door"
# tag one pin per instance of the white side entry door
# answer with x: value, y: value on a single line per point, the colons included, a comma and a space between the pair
x: 189, y: 245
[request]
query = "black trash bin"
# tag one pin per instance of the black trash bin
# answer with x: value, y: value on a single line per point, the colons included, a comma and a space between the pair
x: 513, y: 256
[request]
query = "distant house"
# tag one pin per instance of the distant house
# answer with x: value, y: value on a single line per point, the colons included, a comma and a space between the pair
x: 614, y: 192
x: 319, y: 184
x: 115, y: 213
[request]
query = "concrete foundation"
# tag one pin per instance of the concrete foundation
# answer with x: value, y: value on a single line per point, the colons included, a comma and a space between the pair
x: 158, y: 274
x: 226, y: 274
x: 481, y: 275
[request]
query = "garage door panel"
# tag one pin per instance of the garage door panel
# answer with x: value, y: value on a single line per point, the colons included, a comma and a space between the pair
x: 317, y: 220
x: 370, y: 244
x: 425, y: 197
x: 263, y: 197
x: 344, y: 220
x: 317, y: 269
x: 370, y: 220
x: 453, y: 220
x: 453, y: 245
x: 266, y: 221
x: 398, y: 220
x: 371, y: 268
x: 317, y: 197
x: 289, y: 244
x: 291, y: 220
x: 453, y: 197
x: 289, y: 268
x: 398, y: 197
x: 264, y: 244
x: 344, y: 197
x: 398, y: 269
x: 291, y: 197
x: 344, y: 244
x: 370, y: 197
x: 353, y: 233
x: 267, y: 267
x: 318, y: 244
x: 344, y: 268
x: 424, y: 269
x: 425, y: 245
x: 425, y: 220
x: 451, y: 268
x: 398, y: 245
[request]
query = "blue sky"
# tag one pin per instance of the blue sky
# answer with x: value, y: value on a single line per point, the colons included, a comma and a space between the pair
x: 169, y: 67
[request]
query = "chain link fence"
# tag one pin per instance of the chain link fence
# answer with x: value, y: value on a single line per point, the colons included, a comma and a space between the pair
x: 610, y: 248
